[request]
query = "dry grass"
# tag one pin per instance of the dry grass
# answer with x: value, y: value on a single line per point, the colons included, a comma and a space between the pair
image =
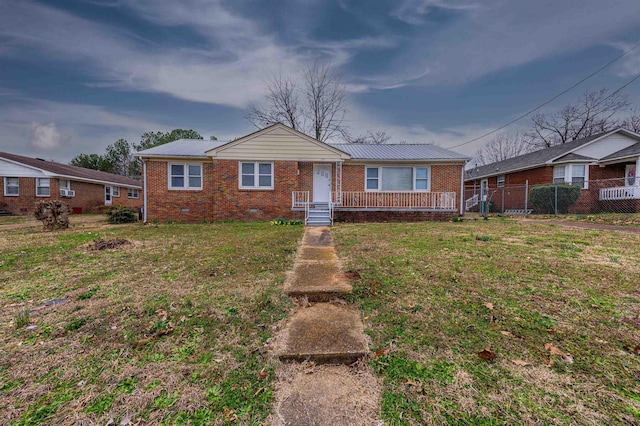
x: 171, y: 328
x: 436, y: 294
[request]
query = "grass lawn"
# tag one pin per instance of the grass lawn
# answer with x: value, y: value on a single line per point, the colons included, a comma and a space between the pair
x: 169, y: 329
x: 558, y: 307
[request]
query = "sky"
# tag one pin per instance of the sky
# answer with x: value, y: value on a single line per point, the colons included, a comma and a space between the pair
x: 75, y: 76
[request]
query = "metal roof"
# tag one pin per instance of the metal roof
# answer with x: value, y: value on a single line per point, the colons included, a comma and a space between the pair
x: 399, y: 152
x: 67, y: 170
x: 181, y: 148
x: 630, y: 151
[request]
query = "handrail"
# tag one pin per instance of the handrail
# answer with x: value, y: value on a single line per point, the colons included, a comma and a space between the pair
x: 620, y: 193
x: 399, y: 200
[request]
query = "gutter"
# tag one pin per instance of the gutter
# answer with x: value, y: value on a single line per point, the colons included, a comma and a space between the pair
x: 462, y: 192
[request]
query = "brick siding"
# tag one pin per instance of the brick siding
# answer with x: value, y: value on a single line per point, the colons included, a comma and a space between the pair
x: 89, y: 197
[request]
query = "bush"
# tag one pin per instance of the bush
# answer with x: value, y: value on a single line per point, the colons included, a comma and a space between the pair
x: 543, y: 198
x: 122, y: 214
x: 285, y: 222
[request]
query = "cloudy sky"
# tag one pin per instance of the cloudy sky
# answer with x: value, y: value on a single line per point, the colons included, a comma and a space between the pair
x: 77, y: 75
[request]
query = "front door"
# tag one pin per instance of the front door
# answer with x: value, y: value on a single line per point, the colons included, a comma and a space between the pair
x: 321, y: 183
x: 107, y: 195
x: 630, y: 174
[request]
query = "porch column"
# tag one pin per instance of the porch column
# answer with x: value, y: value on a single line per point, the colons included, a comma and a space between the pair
x: 637, y: 179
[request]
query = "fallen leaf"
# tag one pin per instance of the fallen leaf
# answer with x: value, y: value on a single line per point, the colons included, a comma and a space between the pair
x: 381, y: 352
x: 506, y: 333
x: 520, y: 362
x: 263, y: 374
x: 366, y: 318
x: 486, y: 354
x: 553, y: 350
x: 489, y: 305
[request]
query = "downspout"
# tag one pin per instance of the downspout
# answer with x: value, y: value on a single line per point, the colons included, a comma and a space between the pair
x: 144, y: 190
x: 462, y: 190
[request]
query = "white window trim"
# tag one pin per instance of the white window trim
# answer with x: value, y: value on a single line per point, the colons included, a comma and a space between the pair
x: 67, y: 186
x: 568, y: 173
x: 500, y: 182
x: 413, y: 178
x: 40, y: 186
x: 115, y: 191
x: 256, y: 176
x: 186, y: 186
x: 128, y: 192
x: 5, y: 187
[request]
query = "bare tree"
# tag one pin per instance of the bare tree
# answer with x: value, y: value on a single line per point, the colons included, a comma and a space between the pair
x: 593, y: 112
x: 632, y: 122
x: 372, y: 137
x: 282, y: 105
x: 315, y: 105
x: 503, y: 146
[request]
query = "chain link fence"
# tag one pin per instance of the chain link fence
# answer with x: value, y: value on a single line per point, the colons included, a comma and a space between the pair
x: 589, y: 197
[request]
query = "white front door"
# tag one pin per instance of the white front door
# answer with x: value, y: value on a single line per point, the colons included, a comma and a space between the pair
x: 107, y: 195
x: 321, y: 183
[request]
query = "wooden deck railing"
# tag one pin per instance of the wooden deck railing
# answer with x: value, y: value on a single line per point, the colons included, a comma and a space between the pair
x: 397, y: 200
x: 620, y: 193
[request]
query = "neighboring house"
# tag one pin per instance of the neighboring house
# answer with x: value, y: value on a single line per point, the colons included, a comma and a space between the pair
x: 26, y: 181
x: 280, y: 172
x: 604, y: 165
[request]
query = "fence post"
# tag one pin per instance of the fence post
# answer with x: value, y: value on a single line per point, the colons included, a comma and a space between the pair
x: 555, y: 204
x: 526, y: 197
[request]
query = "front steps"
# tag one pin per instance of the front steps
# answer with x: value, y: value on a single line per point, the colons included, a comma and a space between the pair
x: 319, y: 215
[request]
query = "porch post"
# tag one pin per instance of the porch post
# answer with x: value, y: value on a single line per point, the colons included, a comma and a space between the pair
x: 637, y: 179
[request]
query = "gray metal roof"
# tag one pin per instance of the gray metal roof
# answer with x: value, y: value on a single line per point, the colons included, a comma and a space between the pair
x: 399, y: 152
x: 181, y: 148
x: 530, y: 160
x: 632, y: 150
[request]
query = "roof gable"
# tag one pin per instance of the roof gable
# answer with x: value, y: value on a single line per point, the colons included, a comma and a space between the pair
x: 278, y: 142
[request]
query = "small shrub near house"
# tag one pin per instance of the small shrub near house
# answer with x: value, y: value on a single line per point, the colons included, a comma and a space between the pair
x: 122, y: 214
x: 285, y: 222
x: 543, y: 198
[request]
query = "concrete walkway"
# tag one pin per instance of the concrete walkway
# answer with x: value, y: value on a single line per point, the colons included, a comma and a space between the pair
x: 323, y: 380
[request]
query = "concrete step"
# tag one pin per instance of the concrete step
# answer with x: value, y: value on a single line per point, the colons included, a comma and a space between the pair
x: 325, y: 334
x: 318, y: 281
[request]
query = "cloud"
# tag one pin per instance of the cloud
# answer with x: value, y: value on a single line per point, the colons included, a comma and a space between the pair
x: 415, y: 12
x: 629, y: 66
x: 44, y: 137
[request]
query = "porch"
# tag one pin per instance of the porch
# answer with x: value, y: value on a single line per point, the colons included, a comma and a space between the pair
x: 620, y: 193
x: 364, y: 200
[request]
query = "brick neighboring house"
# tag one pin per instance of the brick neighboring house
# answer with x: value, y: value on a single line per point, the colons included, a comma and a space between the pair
x: 280, y: 172
x: 604, y: 165
x: 26, y: 181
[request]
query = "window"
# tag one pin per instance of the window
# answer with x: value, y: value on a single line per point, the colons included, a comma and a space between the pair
x: 43, y: 187
x: 116, y: 191
x: 397, y: 178
x: 574, y: 174
x: 256, y: 175
x: 133, y: 193
x: 578, y: 175
x: 185, y: 176
x: 65, y: 184
x: 501, y: 180
x: 11, y: 187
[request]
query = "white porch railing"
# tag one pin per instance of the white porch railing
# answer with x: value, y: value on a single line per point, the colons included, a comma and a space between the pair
x: 620, y: 193
x: 397, y: 200
x: 471, y: 202
x: 300, y: 199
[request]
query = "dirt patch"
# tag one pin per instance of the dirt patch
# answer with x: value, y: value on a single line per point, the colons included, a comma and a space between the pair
x: 325, y: 395
x: 113, y: 243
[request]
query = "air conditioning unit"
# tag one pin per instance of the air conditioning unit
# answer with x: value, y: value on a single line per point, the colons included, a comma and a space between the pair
x: 67, y: 193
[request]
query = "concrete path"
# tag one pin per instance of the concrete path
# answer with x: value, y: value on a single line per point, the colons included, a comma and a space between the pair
x: 323, y: 380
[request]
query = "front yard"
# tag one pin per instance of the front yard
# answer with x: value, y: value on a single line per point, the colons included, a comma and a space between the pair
x: 169, y: 329
x: 496, y: 322
x: 483, y: 322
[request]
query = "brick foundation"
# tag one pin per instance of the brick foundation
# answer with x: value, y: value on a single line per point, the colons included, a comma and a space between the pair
x: 390, y: 216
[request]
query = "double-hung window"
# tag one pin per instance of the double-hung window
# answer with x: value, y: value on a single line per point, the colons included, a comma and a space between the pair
x: 397, y: 178
x: 43, y: 187
x: 500, y: 181
x: 185, y: 176
x: 11, y: 187
x: 574, y: 174
x: 116, y: 191
x: 256, y: 175
x: 133, y: 193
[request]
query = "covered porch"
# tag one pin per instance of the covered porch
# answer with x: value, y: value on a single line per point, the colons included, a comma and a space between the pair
x: 627, y: 188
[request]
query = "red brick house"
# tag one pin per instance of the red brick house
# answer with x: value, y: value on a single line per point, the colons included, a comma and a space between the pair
x: 280, y: 172
x: 27, y: 180
x: 603, y: 165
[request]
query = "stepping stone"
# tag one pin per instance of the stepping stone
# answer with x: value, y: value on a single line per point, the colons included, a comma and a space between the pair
x: 318, y: 281
x: 324, y: 333
x: 317, y: 236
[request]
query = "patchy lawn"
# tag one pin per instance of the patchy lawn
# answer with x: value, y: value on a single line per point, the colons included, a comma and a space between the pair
x: 496, y: 322
x: 170, y: 328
